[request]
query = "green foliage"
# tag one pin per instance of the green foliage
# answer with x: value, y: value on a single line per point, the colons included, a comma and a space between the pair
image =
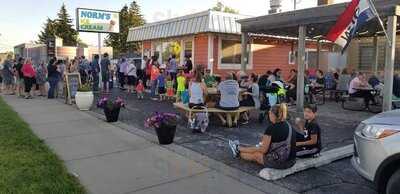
x: 27, y: 164
x: 61, y: 27
x: 48, y: 31
x: 84, y: 88
x: 223, y: 8
x: 130, y: 16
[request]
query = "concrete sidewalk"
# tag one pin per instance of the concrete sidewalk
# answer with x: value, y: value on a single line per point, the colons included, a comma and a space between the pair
x: 110, y: 160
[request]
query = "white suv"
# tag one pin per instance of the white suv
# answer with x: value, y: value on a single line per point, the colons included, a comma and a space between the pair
x: 377, y: 151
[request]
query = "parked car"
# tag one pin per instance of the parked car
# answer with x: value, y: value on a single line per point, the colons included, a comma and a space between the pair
x: 377, y: 151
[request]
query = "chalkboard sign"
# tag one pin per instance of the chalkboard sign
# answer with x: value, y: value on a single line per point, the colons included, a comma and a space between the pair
x: 73, y: 81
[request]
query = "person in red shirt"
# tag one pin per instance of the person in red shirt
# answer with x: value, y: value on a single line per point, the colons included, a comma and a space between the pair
x: 140, y: 90
x: 155, y: 72
x: 29, y: 77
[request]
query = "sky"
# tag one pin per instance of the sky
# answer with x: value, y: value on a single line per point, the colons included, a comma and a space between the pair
x: 22, y: 20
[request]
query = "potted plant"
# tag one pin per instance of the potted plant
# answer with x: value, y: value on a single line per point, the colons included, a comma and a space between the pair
x: 84, y: 97
x: 111, y: 108
x: 165, y: 126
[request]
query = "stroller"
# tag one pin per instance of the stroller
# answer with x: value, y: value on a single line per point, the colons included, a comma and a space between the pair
x: 198, y: 122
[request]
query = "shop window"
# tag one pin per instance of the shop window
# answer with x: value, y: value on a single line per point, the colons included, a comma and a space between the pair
x: 231, y: 52
x: 188, y: 52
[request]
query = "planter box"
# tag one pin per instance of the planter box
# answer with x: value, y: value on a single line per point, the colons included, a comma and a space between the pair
x: 84, y: 100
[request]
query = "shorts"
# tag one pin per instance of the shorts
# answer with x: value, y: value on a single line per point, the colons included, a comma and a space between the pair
x: 161, y: 90
x: 131, y: 80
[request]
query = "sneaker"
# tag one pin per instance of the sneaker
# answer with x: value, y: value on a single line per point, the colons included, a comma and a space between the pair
x: 234, y: 148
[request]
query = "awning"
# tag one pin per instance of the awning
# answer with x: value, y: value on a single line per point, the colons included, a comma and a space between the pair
x: 207, y: 21
x: 318, y: 20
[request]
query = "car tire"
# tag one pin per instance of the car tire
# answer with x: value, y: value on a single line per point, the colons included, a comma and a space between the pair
x: 393, y: 185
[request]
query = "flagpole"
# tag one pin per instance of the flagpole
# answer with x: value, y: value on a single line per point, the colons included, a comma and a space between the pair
x: 380, y: 21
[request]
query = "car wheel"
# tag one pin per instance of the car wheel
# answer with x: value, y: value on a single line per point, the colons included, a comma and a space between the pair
x: 393, y: 185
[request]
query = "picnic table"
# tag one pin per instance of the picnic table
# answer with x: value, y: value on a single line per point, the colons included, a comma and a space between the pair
x: 231, y: 116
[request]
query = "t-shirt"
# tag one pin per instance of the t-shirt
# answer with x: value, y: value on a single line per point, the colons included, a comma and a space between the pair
x: 161, y: 81
x: 279, y: 132
x: 104, y: 63
x: 131, y: 70
x: 181, y: 83
x: 18, y: 67
x: 355, y: 83
x: 311, y: 128
x: 229, y: 90
x: 154, y: 73
x: 173, y: 66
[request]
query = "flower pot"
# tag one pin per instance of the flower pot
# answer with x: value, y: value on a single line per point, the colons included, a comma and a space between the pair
x: 166, y: 134
x: 84, y: 100
x: 112, y: 114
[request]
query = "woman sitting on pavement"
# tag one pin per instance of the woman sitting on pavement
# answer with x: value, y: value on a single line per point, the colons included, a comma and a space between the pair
x: 197, y: 91
x: 277, y: 148
x: 308, y: 138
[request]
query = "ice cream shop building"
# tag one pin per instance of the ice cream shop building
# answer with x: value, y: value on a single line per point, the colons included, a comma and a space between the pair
x: 214, y: 39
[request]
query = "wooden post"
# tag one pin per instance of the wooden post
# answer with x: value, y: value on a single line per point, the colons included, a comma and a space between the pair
x: 389, y: 63
x: 244, y: 57
x: 376, y: 55
x: 301, y: 67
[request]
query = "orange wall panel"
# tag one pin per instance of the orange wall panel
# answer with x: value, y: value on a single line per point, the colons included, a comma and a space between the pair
x: 201, y: 50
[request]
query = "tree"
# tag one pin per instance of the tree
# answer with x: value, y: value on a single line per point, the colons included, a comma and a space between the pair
x: 48, y: 31
x: 223, y: 8
x: 129, y: 17
x: 64, y: 28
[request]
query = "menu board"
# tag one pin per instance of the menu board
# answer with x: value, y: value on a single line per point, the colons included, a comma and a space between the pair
x: 73, y: 81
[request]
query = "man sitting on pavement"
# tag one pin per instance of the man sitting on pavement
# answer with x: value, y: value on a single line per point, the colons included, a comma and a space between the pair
x: 308, y: 138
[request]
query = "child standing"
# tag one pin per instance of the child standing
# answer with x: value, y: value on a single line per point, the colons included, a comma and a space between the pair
x: 181, y: 82
x: 161, y: 85
x: 140, y: 90
x: 170, y: 87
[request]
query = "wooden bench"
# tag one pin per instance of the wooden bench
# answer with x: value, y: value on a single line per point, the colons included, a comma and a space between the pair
x: 230, y: 117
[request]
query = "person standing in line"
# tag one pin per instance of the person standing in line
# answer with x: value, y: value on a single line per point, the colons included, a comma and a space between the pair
x: 140, y: 90
x: 60, y: 86
x: 148, y: 67
x: 173, y: 67
x: 155, y: 72
x: 8, y: 76
x: 83, y: 69
x: 161, y: 85
x: 181, y: 85
x: 19, y: 77
x: 29, y: 76
x: 41, y: 73
x: 95, y: 70
x: 105, y: 71
x: 121, y: 73
x: 54, y: 76
x: 131, y: 76
x: 188, y: 65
